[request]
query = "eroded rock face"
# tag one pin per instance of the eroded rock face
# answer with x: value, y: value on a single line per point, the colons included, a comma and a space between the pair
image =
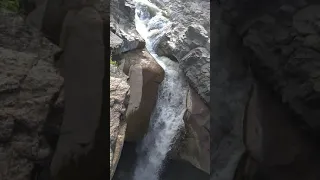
x: 196, y: 65
x: 81, y: 129
x: 145, y: 75
x: 196, y: 144
x: 122, y: 25
x: 180, y: 40
x: 187, y: 12
x: 119, y: 89
x: 280, y: 149
x: 115, y: 43
x: 28, y: 87
x: 281, y: 46
x: 285, y: 52
x: 190, y: 30
x: 190, y: 47
x: 268, y: 122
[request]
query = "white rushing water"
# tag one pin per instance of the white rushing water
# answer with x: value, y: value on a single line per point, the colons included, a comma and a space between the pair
x: 167, y: 117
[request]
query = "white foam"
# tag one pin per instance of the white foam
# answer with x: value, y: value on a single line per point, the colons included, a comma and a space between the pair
x: 167, y: 117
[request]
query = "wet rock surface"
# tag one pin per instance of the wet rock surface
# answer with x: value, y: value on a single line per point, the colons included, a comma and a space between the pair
x: 195, y: 145
x: 145, y: 75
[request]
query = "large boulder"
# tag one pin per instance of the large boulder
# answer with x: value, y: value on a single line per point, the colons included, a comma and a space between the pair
x: 279, y: 40
x: 270, y: 137
x: 145, y: 75
x: 277, y: 148
x: 190, y: 47
x: 196, y: 65
x: 81, y: 128
x: 119, y: 89
x: 195, y: 146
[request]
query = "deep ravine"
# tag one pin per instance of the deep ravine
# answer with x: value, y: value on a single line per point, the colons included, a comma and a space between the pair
x: 167, y: 117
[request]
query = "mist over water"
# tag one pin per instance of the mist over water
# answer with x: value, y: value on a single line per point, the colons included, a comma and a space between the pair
x: 167, y: 117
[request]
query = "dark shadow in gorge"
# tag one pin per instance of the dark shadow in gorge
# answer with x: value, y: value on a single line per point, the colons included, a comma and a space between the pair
x: 173, y: 170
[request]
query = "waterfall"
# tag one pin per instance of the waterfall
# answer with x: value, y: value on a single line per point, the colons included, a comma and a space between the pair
x: 167, y: 117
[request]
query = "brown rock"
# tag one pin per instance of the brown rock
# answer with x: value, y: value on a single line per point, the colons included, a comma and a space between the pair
x: 118, y: 92
x: 145, y: 74
x: 82, y: 42
x: 277, y: 148
x: 196, y: 145
x: 271, y: 137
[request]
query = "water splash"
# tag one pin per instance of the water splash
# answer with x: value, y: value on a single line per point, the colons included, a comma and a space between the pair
x: 167, y: 117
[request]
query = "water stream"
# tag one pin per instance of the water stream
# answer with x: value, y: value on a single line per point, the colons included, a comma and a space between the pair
x: 167, y: 117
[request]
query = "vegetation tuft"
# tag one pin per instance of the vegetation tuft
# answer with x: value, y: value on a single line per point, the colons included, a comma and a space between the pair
x: 12, y: 5
x: 113, y: 62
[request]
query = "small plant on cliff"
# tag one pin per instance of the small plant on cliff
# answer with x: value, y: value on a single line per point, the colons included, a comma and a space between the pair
x: 112, y: 62
x: 11, y: 5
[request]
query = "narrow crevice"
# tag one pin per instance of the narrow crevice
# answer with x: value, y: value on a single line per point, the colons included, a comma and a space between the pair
x: 50, y: 132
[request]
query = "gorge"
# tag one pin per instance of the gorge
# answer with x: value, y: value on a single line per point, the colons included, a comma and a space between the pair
x: 159, y: 90
x: 165, y: 133
x: 167, y: 117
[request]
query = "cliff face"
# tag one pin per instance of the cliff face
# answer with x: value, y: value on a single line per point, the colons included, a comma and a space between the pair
x: 29, y: 89
x: 283, y: 38
x: 278, y: 43
x: 188, y: 42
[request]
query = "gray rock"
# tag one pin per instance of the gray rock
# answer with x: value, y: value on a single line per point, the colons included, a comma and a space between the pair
x: 122, y: 25
x: 60, y: 101
x: 6, y: 127
x: 305, y: 20
x: 312, y: 41
x: 196, y: 65
x: 230, y: 90
x: 180, y: 41
x: 118, y: 93
x: 115, y: 43
x: 14, y: 67
x: 12, y: 166
x: 190, y: 47
x: 198, y: 11
x: 29, y: 82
